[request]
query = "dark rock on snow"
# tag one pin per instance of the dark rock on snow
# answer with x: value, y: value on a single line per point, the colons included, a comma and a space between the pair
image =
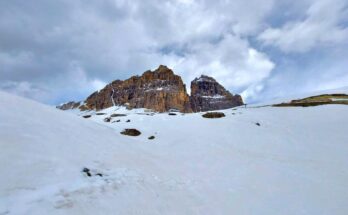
x: 117, y: 115
x: 107, y: 119
x: 87, y: 172
x: 213, y: 115
x: 131, y: 132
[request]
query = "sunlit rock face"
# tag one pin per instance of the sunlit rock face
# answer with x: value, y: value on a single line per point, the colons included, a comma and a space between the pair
x: 160, y: 90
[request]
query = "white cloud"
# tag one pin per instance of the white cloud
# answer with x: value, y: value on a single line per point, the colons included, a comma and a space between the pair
x: 231, y: 61
x: 321, y: 27
x: 252, y: 92
x: 26, y: 89
x: 78, y: 80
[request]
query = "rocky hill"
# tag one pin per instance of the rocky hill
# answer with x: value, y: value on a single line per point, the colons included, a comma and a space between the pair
x: 207, y: 94
x: 160, y: 90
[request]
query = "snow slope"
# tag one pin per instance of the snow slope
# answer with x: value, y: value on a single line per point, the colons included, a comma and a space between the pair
x: 295, y: 162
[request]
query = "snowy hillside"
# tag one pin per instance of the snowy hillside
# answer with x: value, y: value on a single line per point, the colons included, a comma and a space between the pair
x: 253, y: 161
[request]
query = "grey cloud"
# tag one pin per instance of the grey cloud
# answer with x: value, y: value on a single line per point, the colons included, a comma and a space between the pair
x: 322, y: 26
x: 63, y: 50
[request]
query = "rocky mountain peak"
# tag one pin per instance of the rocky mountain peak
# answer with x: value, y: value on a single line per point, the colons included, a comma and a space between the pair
x: 161, y: 90
x: 207, y: 94
x: 204, y: 78
x: 163, y: 68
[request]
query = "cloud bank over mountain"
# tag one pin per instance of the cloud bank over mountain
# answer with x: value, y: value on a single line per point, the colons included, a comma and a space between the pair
x: 64, y: 50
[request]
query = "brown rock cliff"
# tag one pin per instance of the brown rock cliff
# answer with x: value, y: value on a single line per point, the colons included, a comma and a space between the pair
x: 160, y: 90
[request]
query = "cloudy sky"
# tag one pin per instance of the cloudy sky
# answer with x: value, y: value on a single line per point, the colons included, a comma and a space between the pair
x: 54, y: 51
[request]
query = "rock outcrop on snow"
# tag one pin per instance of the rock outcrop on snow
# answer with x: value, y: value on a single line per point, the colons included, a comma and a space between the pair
x: 69, y: 105
x: 131, y: 132
x: 213, y: 115
x: 207, y: 94
x: 163, y: 91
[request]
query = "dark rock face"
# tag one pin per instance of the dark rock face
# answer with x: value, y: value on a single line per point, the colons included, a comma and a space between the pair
x: 207, y: 94
x: 159, y: 90
x: 69, y: 105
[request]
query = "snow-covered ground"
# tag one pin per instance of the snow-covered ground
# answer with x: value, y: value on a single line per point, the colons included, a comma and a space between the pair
x: 295, y: 162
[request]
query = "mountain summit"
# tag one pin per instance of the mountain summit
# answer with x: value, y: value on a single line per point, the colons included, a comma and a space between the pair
x: 207, y: 94
x: 161, y: 90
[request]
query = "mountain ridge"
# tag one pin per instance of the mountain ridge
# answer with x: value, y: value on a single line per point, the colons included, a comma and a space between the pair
x: 160, y: 90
